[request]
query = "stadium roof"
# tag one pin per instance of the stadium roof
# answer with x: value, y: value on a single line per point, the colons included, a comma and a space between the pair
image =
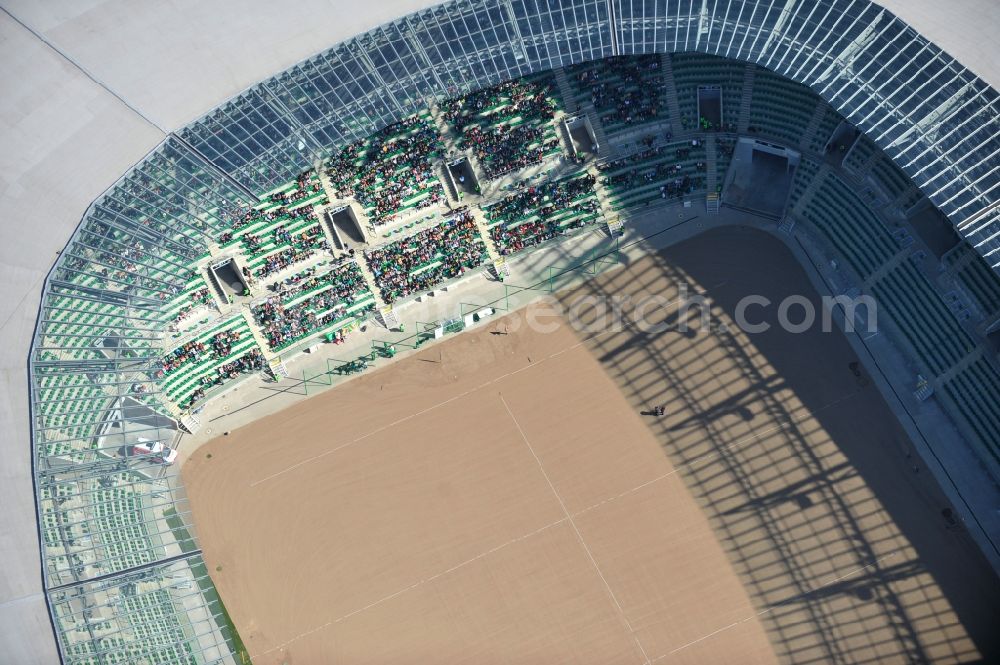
x: 90, y: 86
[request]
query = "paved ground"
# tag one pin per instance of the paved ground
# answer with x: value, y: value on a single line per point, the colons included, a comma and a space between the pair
x: 472, y: 504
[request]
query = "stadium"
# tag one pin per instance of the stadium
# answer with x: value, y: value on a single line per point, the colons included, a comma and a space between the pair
x: 307, y: 351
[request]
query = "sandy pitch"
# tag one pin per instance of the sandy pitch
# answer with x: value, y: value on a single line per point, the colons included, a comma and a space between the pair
x: 504, y: 523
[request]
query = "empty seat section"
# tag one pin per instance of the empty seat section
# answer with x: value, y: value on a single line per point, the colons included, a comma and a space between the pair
x: 859, y: 154
x: 804, y: 174
x: 975, y: 392
x: 857, y: 234
x: 978, y: 278
x: 922, y: 317
x: 692, y: 70
x: 780, y: 109
x: 829, y: 122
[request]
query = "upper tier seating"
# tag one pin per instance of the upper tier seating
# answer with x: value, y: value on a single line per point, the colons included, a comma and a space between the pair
x: 625, y: 91
x: 692, y: 70
x: 979, y: 279
x: 390, y: 173
x: 67, y: 408
x: 894, y: 182
x: 507, y: 126
x: 780, y: 109
x: 859, y: 154
x: 192, y: 298
x: 829, y: 122
x: 281, y: 230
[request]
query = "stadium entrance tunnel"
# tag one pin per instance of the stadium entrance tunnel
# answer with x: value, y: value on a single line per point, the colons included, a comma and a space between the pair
x: 837, y: 531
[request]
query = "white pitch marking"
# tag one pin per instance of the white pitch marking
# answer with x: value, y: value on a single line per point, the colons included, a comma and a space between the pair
x: 579, y: 536
x: 770, y: 609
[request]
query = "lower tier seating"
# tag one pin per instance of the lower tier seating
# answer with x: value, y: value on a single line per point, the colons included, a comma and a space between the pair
x: 922, y: 317
x: 975, y: 393
x: 210, y: 358
x: 313, y: 302
x: 663, y: 172
x: 539, y: 213
x: 427, y: 258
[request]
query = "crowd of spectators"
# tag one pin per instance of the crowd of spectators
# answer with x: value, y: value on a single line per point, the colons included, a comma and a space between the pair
x: 198, y: 298
x: 677, y: 182
x: 303, y: 246
x: 194, y: 351
x: 240, y: 217
x: 283, y: 324
x: 251, y: 361
x: 427, y: 258
x: 189, y: 351
x: 390, y: 168
x: 541, y: 212
x: 623, y: 90
x: 254, y: 244
x: 507, y: 126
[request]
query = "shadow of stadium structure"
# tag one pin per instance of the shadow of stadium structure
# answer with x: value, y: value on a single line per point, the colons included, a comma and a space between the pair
x: 807, y: 479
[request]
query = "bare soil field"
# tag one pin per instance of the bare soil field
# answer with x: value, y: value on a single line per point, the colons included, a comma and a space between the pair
x: 502, y: 498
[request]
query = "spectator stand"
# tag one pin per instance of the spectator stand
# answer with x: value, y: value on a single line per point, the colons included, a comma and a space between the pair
x: 657, y: 172
x: 625, y: 92
x: 508, y: 127
x: 427, y: 259
x: 207, y: 359
x: 320, y: 300
x: 539, y: 213
x: 391, y: 173
x: 780, y: 110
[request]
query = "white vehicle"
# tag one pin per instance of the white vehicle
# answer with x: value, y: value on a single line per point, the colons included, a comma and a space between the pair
x: 160, y: 452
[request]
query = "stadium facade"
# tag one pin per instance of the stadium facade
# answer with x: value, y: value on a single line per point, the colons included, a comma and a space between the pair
x: 122, y: 585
